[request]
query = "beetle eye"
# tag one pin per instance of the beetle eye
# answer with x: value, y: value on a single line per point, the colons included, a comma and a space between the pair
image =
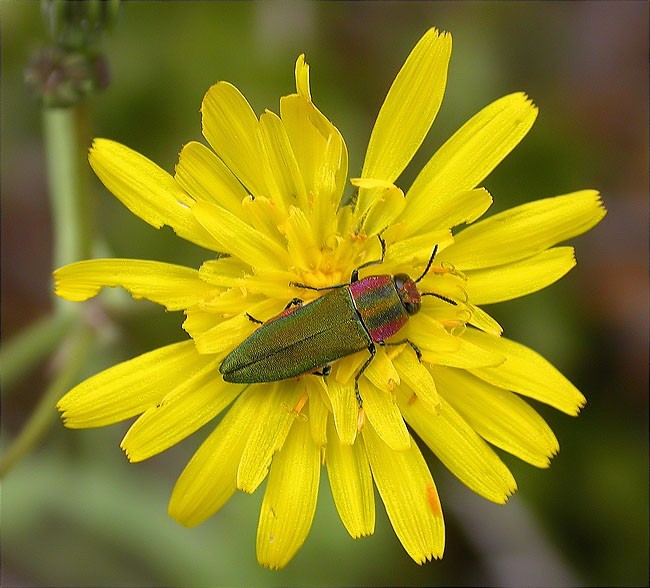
x: 400, y: 280
x: 408, y: 293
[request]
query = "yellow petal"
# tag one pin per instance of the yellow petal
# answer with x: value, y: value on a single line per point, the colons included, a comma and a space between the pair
x: 174, y: 286
x: 439, y: 347
x: 225, y: 271
x: 467, y: 158
x: 238, y: 238
x: 271, y: 425
x: 273, y: 283
x: 221, y: 338
x: 408, y: 110
x: 513, y: 280
x: 302, y: 77
x: 230, y: 126
x: 330, y: 183
x: 386, y: 205
x: 264, y: 215
x: 214, y: 334
x: 445, y: 314
x: 483, y: 321
x: 418, y: 379
x: 147, y: 190
x: 286, y: 186
x: 290, y: 498
x: 351, y: 484
x: 448, y: 282
x: 318, y: 147
x: 131, y: 387
x: 525, y: 230
x: 413, y: 252
x: 381, y: 371
x: 346, y: 369
x: 466, y: 356
x: 428, y: 334
x: 460, y: 448
x: 227, y: 304
x: 208, y: 480
x: 526, y: 372
x: 463, y: 207
x: 318, y: 410
x: 303, y: 244
x: 345, y: 409
x: 183, y: 411
x: 205, y: 177
x: 500, y: 417
x: 384, y: 415
x: 409, y: 495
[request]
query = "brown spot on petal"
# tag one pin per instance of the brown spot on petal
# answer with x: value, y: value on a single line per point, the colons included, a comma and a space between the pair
x: 433, y: 500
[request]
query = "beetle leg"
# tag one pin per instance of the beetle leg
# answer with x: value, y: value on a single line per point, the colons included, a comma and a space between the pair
x: 252, y: 319
x: 372, y: 350
x: 293, y: 302
x: 314, y: 288
x: 325, y: 371
x: 413, y: 346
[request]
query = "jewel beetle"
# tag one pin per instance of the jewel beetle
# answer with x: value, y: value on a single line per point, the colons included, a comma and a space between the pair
x: 349, y: 318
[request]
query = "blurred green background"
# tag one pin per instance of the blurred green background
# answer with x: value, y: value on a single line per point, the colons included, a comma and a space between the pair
x: 74, y: 512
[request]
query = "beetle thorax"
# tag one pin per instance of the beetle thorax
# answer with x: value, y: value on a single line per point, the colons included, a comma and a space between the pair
x: 408, y: 292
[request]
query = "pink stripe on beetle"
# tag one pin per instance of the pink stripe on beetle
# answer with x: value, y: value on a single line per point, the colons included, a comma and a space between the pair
x: 366, y: 284
x: 387, y: 330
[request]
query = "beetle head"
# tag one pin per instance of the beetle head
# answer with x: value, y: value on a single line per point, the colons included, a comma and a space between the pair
x: 408, y: 293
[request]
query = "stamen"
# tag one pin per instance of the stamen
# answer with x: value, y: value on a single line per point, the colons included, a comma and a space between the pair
x: 303, y: 400
x: 458, y: 330
x: 452, y: 323
x: 295, y: 411
x: 447, y: 268
x: 439, y: 269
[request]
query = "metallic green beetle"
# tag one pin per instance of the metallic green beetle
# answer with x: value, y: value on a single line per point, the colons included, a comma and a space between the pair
x: 349, y: 318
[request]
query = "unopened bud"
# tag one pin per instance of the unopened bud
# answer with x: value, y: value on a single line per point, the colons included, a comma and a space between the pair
x: 61, y: 78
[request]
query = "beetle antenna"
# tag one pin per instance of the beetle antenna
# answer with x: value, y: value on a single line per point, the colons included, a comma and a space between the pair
x: 424, y: 273
x: 426, y: 269
x: 441, y: 297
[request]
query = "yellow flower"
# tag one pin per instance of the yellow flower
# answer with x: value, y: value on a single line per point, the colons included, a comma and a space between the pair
x: 270, y: 196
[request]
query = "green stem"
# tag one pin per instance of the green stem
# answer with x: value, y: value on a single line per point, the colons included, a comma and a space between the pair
x: 41, y: 419
x: 32, y: 345
x: 66, y: 143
